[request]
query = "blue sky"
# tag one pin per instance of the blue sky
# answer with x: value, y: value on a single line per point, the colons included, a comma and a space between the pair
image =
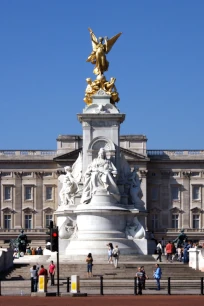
x: 158, y: 63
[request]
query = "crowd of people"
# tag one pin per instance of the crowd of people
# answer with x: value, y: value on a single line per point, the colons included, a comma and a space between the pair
x: 29, y: 251
x: 142, y: 276
x: 38, y: 270
x: 174, y: 253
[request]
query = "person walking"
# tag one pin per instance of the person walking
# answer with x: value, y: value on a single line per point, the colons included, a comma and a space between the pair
x: 115, y: 255
x: 34, y: 278
x: 169, y: 249
x: 159, y: 251
x: 157, y: 275
x: 89, y: 261
x: 110, y: 252
x: 52, y: 273
x: 139, y: 276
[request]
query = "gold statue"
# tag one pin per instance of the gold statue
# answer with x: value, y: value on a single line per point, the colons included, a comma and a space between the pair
x: 98, y: 55
x: 101, y: 83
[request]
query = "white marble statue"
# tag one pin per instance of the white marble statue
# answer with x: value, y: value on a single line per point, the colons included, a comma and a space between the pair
x: 70, y: 182
x: 135, y: 189
x: 99, y: 176
x: 134, y: 229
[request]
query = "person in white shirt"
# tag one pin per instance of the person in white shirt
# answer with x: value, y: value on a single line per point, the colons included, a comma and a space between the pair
x: 115, y: 255
x: 159, y: 251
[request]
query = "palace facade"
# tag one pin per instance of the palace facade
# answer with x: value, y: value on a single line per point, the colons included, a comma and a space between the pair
x: 172, y: 182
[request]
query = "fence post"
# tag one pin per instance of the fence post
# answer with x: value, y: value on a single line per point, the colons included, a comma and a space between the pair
x: 201, y: 285
x: 101, y: 285
x: 32, y: 284
x: 169, y: 285
x: 68, y: 280
x: 135, y: 285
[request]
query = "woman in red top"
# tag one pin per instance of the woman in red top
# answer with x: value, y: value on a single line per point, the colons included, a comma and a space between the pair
x: 52, y: 273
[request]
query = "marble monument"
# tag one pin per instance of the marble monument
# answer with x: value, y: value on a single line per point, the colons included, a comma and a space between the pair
x: 100, y: 198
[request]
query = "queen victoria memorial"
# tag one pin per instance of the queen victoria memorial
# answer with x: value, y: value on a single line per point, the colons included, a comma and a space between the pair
x: 102, y: 187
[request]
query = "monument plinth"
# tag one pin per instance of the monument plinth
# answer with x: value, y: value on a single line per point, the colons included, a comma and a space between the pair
x: 100, y: 199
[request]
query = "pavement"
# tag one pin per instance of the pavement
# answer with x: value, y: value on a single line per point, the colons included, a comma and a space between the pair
x: 104, y: 300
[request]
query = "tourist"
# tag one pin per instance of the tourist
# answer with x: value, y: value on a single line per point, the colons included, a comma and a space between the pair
x: 139, y: 276
x: 169, y: 249
x: 157, y: 275
x: 115, y: 255
x: 144, y: 275
x: 159, y: 251
x: 89, y: 261
x: 110, y: 252
x: 40, y: 251
x: 52, y: 273
x: 34, y: 278
x: 163, y: 243
x: 33, y: 251
x: 42, y: 271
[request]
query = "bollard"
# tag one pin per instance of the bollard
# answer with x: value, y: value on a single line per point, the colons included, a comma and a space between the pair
x: 42, y: 283
x: 68, y: 280
x: 75, y: 284
x: 32, y: 284
x: 101, y: 285
x: 135, y: 285
x: 169, y: 285
x: 201, y: 285
x: 0, y: 287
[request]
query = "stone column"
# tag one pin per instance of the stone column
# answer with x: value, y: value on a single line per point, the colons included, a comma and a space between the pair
x: 38, y: 202
x: 185, y: 204
x: 18, y: 201
x: 165, y: 199
x: 143, y: 174
x: 100, y: 120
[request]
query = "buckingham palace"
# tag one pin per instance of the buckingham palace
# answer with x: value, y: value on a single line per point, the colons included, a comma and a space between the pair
x: 172, y: 182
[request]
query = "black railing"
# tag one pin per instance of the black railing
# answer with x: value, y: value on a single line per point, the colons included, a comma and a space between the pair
x: 99, y: 285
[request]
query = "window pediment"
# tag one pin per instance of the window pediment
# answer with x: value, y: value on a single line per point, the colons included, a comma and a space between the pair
x: 48, y: 210
x: 175, y: 210
x: 155, y: 210
x: 196, y: 210
x: 7, y: 210
x: 28, y: 210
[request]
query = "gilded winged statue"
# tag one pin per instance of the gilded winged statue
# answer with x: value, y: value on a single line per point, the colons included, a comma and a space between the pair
x: 100, y: 49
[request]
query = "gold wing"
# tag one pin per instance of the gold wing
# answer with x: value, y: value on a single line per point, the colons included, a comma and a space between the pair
x: 110, y: 42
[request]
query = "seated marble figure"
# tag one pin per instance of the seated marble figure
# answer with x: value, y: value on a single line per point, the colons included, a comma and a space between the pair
x: 99, y: 176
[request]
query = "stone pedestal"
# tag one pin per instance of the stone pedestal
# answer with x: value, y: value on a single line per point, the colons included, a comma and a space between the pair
x: 109, y: 215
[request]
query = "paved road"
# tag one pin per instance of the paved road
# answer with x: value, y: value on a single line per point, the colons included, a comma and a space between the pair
x: 107, y: 300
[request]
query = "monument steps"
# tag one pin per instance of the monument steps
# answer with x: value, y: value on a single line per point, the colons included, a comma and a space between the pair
x: 125, y: 271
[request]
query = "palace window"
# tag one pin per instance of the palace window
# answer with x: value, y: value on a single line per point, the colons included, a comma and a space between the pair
x: 195, y: 173
x: 48, y: 218
x: 196, y: 221
x: 7, y: 221
x: 7, y: 193
x: 175, y: 193
x: 28, y: 193
x: 28, y: 221
x: 49, y: 193
x: 175, y: 219
x: 154, y: 193
x: 196, y: 193
x: 155, y: 221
